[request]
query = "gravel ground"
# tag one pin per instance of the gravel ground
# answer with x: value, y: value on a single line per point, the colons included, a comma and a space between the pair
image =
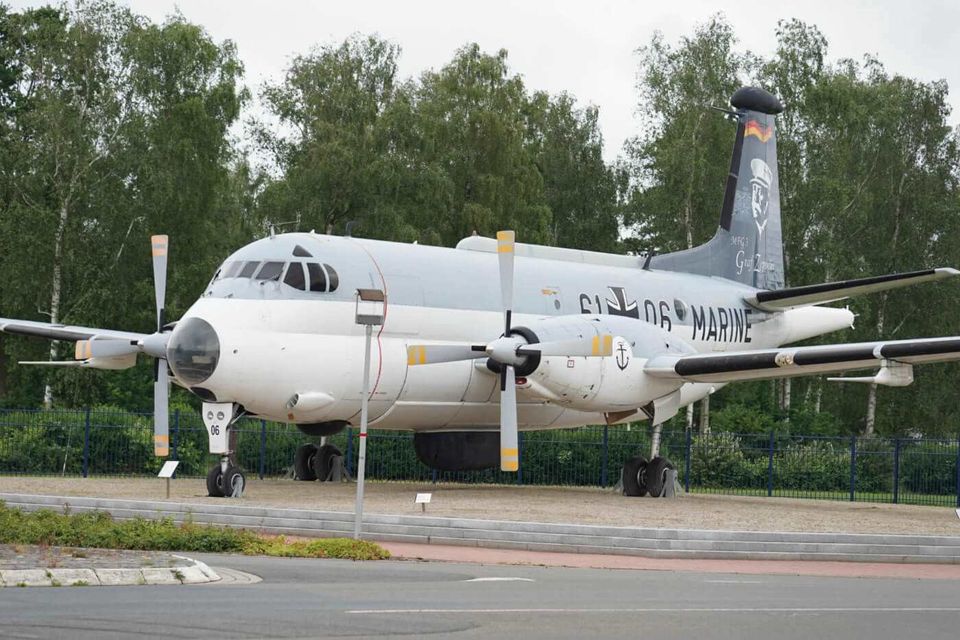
x: 581, y: 505
x: 26, y: 556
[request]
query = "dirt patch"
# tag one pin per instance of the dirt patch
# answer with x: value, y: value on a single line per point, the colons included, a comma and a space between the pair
x: 582, y: 505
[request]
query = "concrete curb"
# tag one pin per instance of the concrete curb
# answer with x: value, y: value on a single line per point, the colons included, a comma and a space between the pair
x: 531, y: 536
x: 197, y: 573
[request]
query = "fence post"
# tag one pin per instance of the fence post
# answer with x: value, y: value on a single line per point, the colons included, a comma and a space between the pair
x: 853, y: 467
x: 603, y: 457
x: 896, y: 470
x: 350, y: 451
x: 263, y: 447
x: 176, y: 433
x: 86, y: 443
x: 958, y: 471
x: 520, y: 457
x: 770, y: 467
x: 686, y: 475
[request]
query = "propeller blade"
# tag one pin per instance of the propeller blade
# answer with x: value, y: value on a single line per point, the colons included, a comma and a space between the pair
x: 509, y: 448
x: 505, y: 246
x: 159, y: 245
x: 599, y: 346
x: 433, y: 353
x: 103, y: 348
x: 161, y: 392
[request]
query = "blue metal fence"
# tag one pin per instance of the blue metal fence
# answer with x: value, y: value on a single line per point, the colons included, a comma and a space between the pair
x: 95, y: 442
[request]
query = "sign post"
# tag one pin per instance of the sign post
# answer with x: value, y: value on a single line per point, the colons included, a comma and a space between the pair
x: 370, y: 312
x: 167, y: 471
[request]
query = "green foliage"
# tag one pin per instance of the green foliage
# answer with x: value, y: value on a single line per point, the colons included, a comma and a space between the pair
x: 99, y: 530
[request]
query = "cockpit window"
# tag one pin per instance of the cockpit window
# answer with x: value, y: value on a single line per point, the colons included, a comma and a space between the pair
x: 270, y: 271
x: 248, y: 269
x: 318, y: 280
x: 294, y: 276
x: 232, y: 269
x: 300, y: 252
x: 334, y: 278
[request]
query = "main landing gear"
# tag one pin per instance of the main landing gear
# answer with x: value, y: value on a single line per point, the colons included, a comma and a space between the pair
x: 640, y: 477
x: 225, y: 479
x: 312, y: 462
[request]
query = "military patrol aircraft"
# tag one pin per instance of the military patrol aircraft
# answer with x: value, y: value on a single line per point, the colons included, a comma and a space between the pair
x: 495, y: 336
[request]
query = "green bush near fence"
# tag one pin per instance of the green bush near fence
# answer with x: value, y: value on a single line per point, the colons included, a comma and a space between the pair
x: 120, y: 443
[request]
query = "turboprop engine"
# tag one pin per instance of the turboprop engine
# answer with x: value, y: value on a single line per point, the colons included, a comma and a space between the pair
x: 613, y: 384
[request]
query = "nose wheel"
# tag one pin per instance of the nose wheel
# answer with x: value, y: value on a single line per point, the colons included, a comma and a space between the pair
x: 225, y: 479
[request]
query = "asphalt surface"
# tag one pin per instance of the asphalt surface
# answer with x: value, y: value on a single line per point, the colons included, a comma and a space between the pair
x: 325, y: 598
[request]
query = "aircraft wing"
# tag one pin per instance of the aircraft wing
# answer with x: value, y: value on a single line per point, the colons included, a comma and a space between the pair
x: 799, y: 361
x: 62, y: 331
x: 783, y: 299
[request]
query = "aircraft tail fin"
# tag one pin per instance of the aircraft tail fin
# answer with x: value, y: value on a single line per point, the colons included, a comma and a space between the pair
x: 748, y: 245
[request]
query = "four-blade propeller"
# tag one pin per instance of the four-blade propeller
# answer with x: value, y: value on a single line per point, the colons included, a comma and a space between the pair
x: 509, y: 351
x: 154, y: 345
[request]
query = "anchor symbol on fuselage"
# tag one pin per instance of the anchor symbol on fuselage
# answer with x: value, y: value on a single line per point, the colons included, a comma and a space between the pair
x: 623, y: 359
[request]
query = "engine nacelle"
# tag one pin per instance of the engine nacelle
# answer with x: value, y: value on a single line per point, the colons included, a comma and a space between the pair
x: 609, y: 384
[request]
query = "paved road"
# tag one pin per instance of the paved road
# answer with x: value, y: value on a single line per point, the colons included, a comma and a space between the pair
x: 317, y: 598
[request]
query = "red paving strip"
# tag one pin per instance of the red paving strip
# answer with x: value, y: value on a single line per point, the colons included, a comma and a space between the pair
x: 410, y: 551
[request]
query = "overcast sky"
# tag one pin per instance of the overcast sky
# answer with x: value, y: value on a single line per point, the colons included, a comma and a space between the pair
x: 586, y: 48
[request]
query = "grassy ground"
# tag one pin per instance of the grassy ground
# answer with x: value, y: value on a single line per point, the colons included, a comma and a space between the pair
x: 100, y: 530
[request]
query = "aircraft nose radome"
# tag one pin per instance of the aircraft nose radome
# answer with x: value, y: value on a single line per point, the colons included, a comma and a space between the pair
x: 193, y: 351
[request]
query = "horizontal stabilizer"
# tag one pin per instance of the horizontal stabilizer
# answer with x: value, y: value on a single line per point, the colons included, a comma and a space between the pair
x: 798, y: 361
x: 794, y: 297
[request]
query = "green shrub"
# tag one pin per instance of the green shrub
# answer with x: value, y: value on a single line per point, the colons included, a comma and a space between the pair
x: 98, y: 529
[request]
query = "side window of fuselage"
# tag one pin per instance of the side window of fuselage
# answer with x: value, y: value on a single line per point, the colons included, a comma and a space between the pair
x: 294, y: 277
x: 318, y: 279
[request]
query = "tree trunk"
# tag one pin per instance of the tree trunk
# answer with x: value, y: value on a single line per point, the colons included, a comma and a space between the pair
x: 55, y: 291
x: 3, y: 369
x: 787, y: 387
x: 690, y: 417
x: 868, y: 427
x: 705, y: 416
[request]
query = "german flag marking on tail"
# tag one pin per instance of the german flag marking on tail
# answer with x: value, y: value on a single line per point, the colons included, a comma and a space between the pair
x: 757, y: 130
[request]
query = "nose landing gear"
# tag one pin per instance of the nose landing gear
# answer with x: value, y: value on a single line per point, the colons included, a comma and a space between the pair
x: 224, y: 479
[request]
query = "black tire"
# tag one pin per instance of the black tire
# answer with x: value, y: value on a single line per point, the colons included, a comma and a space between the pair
x: 303, y: 463
x: 234, y: 483
x: 656, y: 475
x: 632, y: 477
x: 322, y: 462
x: 215, y: 482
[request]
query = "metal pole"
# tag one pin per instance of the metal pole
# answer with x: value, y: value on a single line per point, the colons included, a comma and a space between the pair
x: 686, y: 479
x: 176, y: 435
x: 86, y: 443
x: 958, y: 471
x: 770, y: 468
x: 520, y: 457
x: 604, y: 455
x: 896, y: 470
x: 853, y: 467
x: 362, y: 461
x: 263, y: 447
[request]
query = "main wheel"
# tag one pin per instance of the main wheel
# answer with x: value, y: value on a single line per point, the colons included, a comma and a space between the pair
x: 323, y: 461
x: 215, y: 482
x: 303, y: 462
x: 632, y: 477
x: 233, y: 483
x: 657, y: 475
